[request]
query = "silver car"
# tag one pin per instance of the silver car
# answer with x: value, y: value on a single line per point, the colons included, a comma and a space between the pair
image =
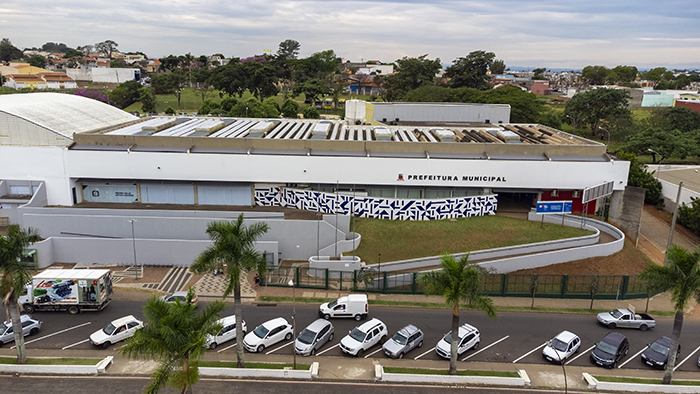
x: 405, y: 340
x: 30, y: 326
x: 314, y: 337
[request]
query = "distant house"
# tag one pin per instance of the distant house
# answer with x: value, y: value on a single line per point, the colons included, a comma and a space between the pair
x: 153, y: 66
x: 103, y: 63
x: 540, y: 87
x: 22, y: 81
x: 689, y: 96
x: 692, y: 104
x: 58, y: 81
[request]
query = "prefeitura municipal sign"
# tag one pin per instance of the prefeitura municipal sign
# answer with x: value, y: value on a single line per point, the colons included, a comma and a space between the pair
x: 545, y: 207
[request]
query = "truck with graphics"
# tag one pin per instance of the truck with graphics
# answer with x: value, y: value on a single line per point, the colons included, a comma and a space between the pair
x: 72, y: 290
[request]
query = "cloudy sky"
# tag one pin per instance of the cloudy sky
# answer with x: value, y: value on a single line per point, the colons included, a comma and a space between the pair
x: 529, y: 33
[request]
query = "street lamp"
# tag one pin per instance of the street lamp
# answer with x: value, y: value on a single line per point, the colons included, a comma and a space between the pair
x: 294, y: 321
x: 133, y: 244
x: 606, y: 130
x: 658, y: 165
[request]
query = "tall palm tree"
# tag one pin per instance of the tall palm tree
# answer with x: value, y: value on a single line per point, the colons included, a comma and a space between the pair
x: 175, y: 335
x: 14, y: 276
x: 232, y: 245
x: 682, y: 278
x: 460, y: 283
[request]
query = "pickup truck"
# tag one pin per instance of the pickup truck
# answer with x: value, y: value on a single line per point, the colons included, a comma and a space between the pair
x: 626, y: 318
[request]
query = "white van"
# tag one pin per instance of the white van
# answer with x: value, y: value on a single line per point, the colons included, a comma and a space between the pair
x: 354, y: 305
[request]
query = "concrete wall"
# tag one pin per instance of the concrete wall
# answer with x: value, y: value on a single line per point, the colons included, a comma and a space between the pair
x: 311, y: 373
x: 446, y: 379
x: 626, y: 210
x: 669, y: 191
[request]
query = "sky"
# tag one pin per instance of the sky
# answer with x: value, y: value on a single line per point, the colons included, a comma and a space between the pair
x: 524, y: 33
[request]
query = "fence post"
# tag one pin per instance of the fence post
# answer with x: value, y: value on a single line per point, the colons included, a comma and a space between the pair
x: 296, y: 276
x: 414, y: 284
x: 384, y: 282
x: 504, y: 284
x: 625, y: 284
x: 564, y: 284
x: 327, y: 272
x: 354, y: 279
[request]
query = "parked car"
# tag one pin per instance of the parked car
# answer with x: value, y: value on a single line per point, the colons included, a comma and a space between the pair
x: 227, y: 333
x: 179, y: 295
x: 405, y: 340
x: 610, y: 350
x: 352, y: 305
x: 363, y: 337
x: 117, y: 330
x: 626, y: 318
x: 469, y: 338
x: 561, y: 347
x: 30, y: 326
x: 267, y: 334
x: 656, y: 355
x: 314, y: 336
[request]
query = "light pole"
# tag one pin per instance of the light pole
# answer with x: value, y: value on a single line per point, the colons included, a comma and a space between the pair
x: 379, y: 269
x: 606, y: 130
x: 133, y: 244
x: 294, y: 321
x: 658, y: 165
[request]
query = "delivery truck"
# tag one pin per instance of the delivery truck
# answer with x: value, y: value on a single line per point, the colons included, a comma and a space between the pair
x: 72, y: 290
x: 353, y: 305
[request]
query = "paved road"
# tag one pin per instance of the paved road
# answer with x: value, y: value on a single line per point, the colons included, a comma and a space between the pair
x: 514, y: 337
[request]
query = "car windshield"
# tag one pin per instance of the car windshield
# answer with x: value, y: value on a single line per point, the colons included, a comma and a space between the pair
x: 616, y: 313
x: 307, y: 336
x: 357, y: 335
x: 659, y: 348
x: 109, y: 329
x: 332, y: 304
x: 261, y: 331
x: 448, y: 338
x: 398, y: 338
x: 607, y: 348
x: 558, y: 344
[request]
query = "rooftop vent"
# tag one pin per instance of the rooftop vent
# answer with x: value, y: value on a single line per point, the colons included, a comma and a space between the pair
x: 382, y: 133
x: 321, y: 130
x: 259, y: 130
x: 444, y: 135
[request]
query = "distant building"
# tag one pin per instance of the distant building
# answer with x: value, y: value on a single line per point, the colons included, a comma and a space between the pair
x: 692, y: 104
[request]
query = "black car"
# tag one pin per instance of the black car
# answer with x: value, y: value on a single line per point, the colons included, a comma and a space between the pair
x: 610, y: 350
x: 656, y: 354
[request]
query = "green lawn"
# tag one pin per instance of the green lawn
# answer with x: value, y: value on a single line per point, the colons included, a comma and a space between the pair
x: 52, y: 361
x: 233, y: 364
x: 420, y: 371
x: 400, y: 240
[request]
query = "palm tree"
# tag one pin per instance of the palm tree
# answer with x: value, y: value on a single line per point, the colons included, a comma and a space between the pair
x: 459, y: 282
x: 14, y: 276
x: 233, y: 246
x: 175, y: 335
x: 682, y: 278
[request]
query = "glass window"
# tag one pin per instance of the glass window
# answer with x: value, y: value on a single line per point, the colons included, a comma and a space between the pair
x: 411, y: 194
x: 384, y: 193
x: 437, y: 193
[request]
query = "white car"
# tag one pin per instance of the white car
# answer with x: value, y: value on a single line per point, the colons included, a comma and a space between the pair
x: 227, y: 333
x: 30, y: 326
x: 469, y: 338
x: 117, y: 330
x: 364, y: 337
x: 268, y: 334
x: 561, y: 347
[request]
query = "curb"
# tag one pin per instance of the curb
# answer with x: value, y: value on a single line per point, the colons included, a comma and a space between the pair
x: 380, y: 375
x: 595, y: 384
x: 50, y: 369
x: 309, y: 374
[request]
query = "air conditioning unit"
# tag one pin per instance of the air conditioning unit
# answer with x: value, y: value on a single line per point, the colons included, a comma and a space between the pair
x: 576, y: 194
x: 554, y: 193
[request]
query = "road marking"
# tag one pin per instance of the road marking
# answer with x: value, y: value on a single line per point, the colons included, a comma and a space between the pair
x: 686, y: 359
x: 633, y: 357
x: 55, y: 333
x: 332, y: 347
x: 378, y: 350
x: 272, y: 351
x: 227, y: 348
x: 581, y: 354
x: 431, y: 349
x: 530, y: 352
x: 77, y: 343
x: 484, y: 348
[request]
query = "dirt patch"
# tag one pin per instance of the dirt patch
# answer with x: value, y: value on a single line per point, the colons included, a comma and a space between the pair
x: 151, y: 274
x: 668, y: 218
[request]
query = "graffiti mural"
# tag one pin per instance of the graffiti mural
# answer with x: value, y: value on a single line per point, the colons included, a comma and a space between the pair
x: 376, y: 207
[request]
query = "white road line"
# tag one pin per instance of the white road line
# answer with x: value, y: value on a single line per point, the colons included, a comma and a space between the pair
x: 686, y: 359
x: 332, y: 347
x: 633, y: 357
x: 529, y: 353
x: 272, y: 351
x: 226, y: 348
x: 378, y: 350
x: 484, y: 348
x: 55, y: 333
x: 431, y: 349
x: 77, y: 343
x: 581, y: 354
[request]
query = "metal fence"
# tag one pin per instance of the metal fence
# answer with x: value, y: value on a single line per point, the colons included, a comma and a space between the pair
x: 503, y: 285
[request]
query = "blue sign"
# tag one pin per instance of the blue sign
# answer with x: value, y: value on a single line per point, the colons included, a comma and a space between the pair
x: 545, y: 207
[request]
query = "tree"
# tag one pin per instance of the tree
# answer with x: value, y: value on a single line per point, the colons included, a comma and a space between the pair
x: 460, y: 283
x: 655, y: 75
x: 175, y: 335
x: 232, y: 246
x: 525, y: 107
x: 411, y: 73
x: 290, y: 108
x: 682, y: 278
x: 682, y: 119
x: 689, y: 216
x: 595, y: 75
x: 148, y: 103
x: 9, y: 52
x: 598, y: 104
x: 169, y: 111
x: 666, y: 143
x: 626, y: 74
x: 640, y: 177
x: 54, y: 47
x: 310, y: 112
x: 289, y: 49
x: 37, y: 61
x: 72, y: 53
x: 14, y: 276
x: 107, y: 47
x: 312, y: 89
x: 498, y: 66
x: 229, y: 79
x: 126, y: 94
x: 166, y: 83
x: 470, y: 71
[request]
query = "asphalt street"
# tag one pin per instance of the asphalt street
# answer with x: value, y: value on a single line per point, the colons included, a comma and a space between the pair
x: 513, y: 337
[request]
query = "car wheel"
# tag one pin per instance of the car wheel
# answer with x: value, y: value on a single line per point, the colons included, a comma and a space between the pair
x: 476, y: 346
x: 327, y: 316
x: 330, y: 338
x: 313, y: 351
x: 612, y: 325
x: 420, y: 344
x: 358, y: 317
x: 106, y: 345
x: 34, y: 331
x: 614, y: 365
x: 29, y: 308
x: 643, y: 327
x: 382, y: 339
x: 360, y: 352
x: 212, y: 346
x: 400, y: 355
x: 73, y: 310
x: 627, y: 351
x: 288, y: 336
x: 2, y: 343
x: 260, y: 349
